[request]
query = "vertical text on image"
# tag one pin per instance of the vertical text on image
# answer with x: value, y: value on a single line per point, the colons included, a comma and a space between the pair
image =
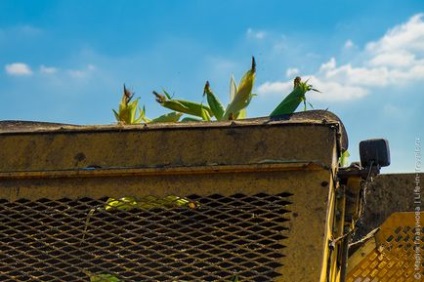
x: 417, y: 208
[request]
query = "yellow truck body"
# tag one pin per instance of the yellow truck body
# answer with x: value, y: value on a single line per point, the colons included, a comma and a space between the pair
x: 250, y: 200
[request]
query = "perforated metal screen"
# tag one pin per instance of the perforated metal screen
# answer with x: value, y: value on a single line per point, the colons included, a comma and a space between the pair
x: 215, y: 239
x: 394, y: 257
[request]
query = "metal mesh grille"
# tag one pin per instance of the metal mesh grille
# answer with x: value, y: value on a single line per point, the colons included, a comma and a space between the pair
x: 221, y: 237
x: 393, y: 261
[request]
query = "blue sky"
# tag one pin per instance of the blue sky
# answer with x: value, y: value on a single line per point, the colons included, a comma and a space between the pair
x: 66, y: 61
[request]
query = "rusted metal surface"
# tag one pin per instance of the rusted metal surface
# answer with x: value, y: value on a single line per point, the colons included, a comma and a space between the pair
x: 262, y: 194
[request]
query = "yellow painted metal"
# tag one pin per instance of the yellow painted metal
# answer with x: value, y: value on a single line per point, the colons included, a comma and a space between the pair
x: 394, y: 252
x: 296, y: 158
x: 64, y: 148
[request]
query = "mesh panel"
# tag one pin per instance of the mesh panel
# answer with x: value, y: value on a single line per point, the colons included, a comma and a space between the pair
x: 393, y: 261
x: 214, y: 240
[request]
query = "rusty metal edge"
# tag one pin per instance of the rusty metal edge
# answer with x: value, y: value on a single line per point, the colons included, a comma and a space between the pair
x: 152, y: 171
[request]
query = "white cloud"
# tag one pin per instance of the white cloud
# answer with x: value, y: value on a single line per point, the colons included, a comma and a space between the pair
x: 277, y: 87
x: 291, y: 72
x: 400, y: 58
x: 47, y: 70
x: 396, y: 58
x: 347, y: 74
x: 18, y: 69
x: 349, y: 44
x: 332, y: 91
x: 407, y: 36
x: 82, y: 73
x: 255, y: 34
x: 400, y: 51
x: 335, y: 91
x: 328, y: 66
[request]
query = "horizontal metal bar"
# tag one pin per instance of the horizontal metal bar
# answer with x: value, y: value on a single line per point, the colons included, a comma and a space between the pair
x: 264, y: 166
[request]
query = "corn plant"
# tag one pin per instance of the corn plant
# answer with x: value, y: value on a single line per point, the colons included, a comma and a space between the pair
x: 128, y: 203
x: 240, y: 95
x: 215, y: 105
x: 148, y: 202
x: 101, y: 277
x: 129, y: 112
x: 183, y: 106
x: 293, y: 100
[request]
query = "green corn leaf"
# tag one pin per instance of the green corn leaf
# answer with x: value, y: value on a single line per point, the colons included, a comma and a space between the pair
x: 233, y: 88
x: 101, y: 277
x: 190, y: 119
x: 149, y: 202
x: 344, y: 158
x: 205, y: 115
x: 215, y: 105
x: 243, y: 95
x: 169, y: 117
x: 167, y: 95
x: 104, y: 278
x: 127, y: 111
x: 293, y: 100
x: 235, y: 278
x: 116, y: 115
x: 124, y: 203
x: 182, y: 106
